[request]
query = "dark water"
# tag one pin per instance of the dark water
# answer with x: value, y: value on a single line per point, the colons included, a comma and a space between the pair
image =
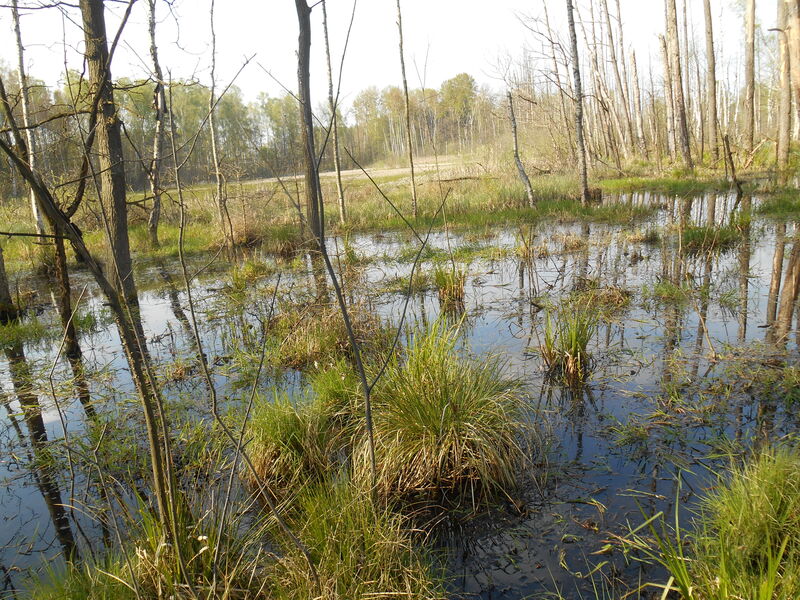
x: 654, y: 413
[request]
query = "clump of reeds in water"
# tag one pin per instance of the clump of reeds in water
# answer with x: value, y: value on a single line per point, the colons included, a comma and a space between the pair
x: 746, y: 538
x: 567, y: 334
x: 450, y: 281
x: 444, y: 422
x: 697, y: 239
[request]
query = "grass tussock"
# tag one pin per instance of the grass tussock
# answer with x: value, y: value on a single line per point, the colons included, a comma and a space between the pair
x: 604, y: 299
x: 291, y: 443
x: 567, y: 334
x: 308, y: 335
x: 359, y: 550
x: 444, y: 422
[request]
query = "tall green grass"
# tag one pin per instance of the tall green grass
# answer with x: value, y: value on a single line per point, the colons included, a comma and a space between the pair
x: 360, y: 550
x: 746, y: 538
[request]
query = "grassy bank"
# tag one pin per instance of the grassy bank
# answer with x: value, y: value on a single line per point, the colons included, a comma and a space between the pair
x: 262, y: 213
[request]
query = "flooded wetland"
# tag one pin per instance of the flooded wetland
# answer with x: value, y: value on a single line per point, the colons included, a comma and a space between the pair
x: 635, y: 363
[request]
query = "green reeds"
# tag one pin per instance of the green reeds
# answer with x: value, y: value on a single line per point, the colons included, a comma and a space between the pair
x: 450, y: 281
x: 698, y: 239
x: 444, y: 422
x: 567, y: 334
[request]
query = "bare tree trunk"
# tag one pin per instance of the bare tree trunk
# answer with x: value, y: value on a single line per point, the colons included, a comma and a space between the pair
x: 160, y: 106
x: 749, y: 74
x: 677, y: 83
x: 30, y: 134
x: 670, y: 101
x: 557, y: 76
x: 109, y: 148
x: 777, y: 270
x: 793, y: 35
x: 520, y: 167
x: 791, y: 285
x: 314, y: 211
x: 8, y: 312
x: 408, y: 113
x: 221, y: 197
x: 637, y: 107
x: 785, y: 102
x: 576, y: 76
x: 337, y: 165
x: 687, y: 78
x: 623, y: 98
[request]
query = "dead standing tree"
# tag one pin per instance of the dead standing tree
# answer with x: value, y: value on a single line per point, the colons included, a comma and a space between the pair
x: 711, y: 84
x: 749, y: 74
x: 220, y: 194
x: 160, y: 106
x: 576, y: 76
x: 337, y: 163
x: 785, y: 95
x: 674, y: 58
x: 520, y: 167
x: 409, y: 144
x: 30, y: 132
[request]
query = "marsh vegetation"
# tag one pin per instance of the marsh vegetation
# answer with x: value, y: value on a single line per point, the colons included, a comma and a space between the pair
x: 450, y: 344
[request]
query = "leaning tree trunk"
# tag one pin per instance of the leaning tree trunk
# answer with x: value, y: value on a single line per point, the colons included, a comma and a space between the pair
x: 520, y: 167
x: 749, y: 74
x: 337, y: 164
x: 8, y: 311
x: 110, y: 158
x: 677, y: 83
x: 407, y: 112
x: 711, y: 85
x: 576, y: 76
x: 160, y: 106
